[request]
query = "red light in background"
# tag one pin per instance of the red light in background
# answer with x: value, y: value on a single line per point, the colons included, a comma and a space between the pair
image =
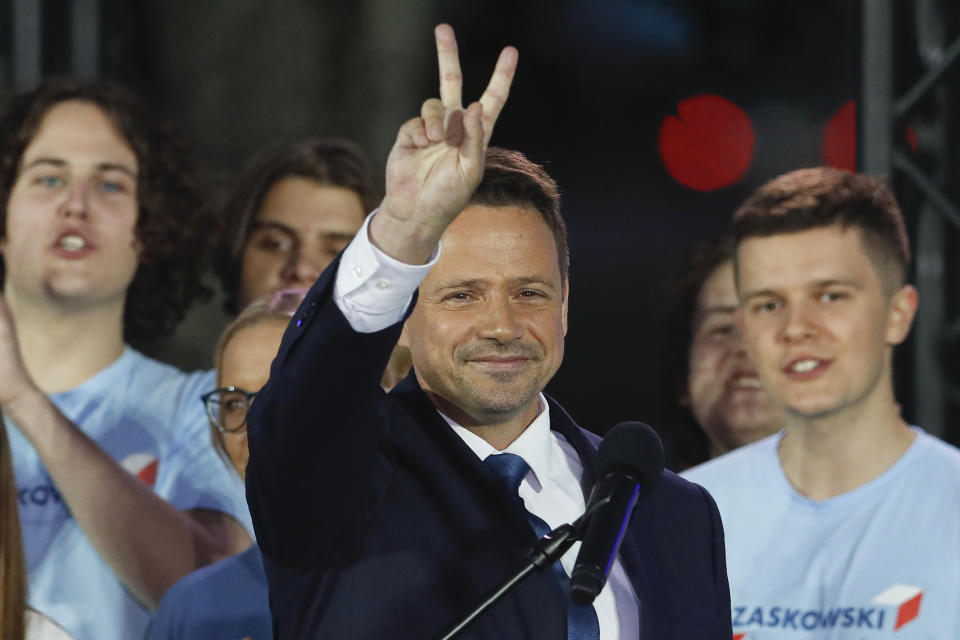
x: 840, y: 138
x: 708, y: 145
x: 912, y: 139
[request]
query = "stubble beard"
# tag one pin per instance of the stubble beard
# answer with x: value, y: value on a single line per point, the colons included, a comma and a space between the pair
x: 505, y: 394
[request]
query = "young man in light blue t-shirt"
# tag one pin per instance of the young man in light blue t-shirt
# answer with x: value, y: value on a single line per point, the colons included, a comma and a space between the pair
x: 846, y: 524
x: 103, y: 231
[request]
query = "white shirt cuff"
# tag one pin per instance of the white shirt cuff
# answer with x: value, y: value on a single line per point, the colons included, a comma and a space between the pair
x: 372, y: 289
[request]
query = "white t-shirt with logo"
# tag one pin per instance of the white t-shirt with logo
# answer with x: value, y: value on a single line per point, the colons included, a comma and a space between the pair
x: 881, y: 561
x: 149, y: 417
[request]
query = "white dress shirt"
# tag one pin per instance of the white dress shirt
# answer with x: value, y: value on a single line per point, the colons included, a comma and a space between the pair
x: 373, y: 291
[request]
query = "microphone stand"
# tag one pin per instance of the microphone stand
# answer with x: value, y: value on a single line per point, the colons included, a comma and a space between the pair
x: 548, y: 550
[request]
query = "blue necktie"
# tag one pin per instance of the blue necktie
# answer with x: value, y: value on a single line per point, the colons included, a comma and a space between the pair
x: 581, y: 619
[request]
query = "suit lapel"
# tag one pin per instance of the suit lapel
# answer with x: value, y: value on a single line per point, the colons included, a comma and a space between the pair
x: 631, y: 555
x: 409, y: 395
x: 476, y: 478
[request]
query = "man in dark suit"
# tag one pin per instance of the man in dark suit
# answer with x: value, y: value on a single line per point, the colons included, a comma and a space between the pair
x: 389, y: 516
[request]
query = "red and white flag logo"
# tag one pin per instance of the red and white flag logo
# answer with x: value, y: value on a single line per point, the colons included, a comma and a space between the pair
x: 142, y: 465
x: 905, y: 598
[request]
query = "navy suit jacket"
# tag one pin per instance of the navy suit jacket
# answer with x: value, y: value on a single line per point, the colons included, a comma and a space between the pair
x: 377, y: 521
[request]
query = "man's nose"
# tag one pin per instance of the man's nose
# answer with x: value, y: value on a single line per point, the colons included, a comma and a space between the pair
x: 798, y: 322
x: 303, y: 268
x: 500, y: 320
x: 76, y: 204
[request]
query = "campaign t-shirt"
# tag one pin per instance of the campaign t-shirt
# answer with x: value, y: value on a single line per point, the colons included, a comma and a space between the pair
x: 881, y: 561
x: 149, y: 417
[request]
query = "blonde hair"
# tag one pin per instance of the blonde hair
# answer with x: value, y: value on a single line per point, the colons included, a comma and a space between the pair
x: 280, y: 305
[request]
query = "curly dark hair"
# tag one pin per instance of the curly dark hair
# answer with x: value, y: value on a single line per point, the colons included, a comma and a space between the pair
x: 686, y: 441
x: 822, y: 197
x: 340, y: 163
x: 174, y: 221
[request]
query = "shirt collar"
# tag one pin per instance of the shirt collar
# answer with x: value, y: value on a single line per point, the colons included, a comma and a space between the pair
x: 533, y: 445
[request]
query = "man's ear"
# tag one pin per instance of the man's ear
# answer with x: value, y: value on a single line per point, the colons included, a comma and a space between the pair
x: 565, y: 305
x: 902, y: 310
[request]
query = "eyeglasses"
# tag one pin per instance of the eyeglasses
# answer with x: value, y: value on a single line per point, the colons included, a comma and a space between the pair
x: 227, y: 408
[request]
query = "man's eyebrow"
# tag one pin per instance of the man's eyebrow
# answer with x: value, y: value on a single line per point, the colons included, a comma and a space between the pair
x: 60, y: 163
x: 816, y: 284
x: 57, y: 162
x: 469, y: 283
x: 838, y: 281
x: 113, y: 166
x: 747, y: 295
x: 272, y: 224
x: 480, y: 283
x: 549, y: 282
x: 339, y: 235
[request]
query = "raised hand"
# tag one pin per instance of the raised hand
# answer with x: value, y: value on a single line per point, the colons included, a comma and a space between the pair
x: 437, y: 160
x: 15, y: 382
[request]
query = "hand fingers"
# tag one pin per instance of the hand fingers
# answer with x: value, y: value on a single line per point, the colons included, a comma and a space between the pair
x: 451, y: 80
x: 474, y: 141
x: 495, y: 95
x: 413, y: 134
x: 432, y: 115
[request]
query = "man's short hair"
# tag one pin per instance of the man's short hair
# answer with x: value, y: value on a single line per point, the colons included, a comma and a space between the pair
x: 823, y: 197
x: 173, y: 220
x: 338, y: 163
x: 510, y: 179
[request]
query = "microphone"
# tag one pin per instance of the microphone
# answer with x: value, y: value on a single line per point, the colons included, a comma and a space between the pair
x: 630, y: 461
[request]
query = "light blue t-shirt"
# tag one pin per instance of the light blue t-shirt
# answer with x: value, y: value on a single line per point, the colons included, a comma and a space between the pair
x: 149, y: 417
x: 226, y: 601
x: 881, y: 561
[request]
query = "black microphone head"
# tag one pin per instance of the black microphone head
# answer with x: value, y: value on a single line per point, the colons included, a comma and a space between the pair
x: 634, y: 446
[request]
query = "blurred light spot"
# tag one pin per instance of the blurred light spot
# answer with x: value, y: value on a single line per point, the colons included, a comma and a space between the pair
x: 912, y: 139
x: 708, y: 145
x: 840, y: 138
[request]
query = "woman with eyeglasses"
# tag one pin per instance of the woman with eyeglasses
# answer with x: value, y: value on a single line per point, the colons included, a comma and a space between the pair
x: 228, y: 599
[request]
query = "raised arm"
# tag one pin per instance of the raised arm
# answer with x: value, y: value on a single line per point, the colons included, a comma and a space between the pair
x: 147, y: 542
x: 437, y: 160
x: 316, y: 429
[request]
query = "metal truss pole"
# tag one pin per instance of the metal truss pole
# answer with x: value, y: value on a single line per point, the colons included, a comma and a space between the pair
x: 881, y: 114
x: 876, y: 105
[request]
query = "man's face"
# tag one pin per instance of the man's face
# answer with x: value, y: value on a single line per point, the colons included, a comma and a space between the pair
x: 301, y: 227
x: 487, y: 332
x: 723, y: 389
x: 72, y: 211
x: 816, y: 320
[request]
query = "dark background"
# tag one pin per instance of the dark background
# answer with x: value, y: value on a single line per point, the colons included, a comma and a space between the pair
x: 596, y: 80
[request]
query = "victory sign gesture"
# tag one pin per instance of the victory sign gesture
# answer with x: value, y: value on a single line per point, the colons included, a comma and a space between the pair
x: 437, y: 160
